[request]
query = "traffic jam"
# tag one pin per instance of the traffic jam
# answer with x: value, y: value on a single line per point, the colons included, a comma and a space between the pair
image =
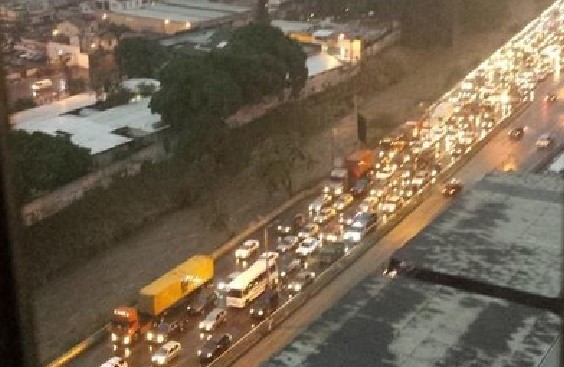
x: 218, y: 305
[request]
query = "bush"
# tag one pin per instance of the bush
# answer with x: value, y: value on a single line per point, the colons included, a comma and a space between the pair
x: 22, y: 104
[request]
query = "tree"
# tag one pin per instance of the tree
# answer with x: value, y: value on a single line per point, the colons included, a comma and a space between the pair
x: 194, y: 93
x: 103, y: 71
x: 118, y: 96
x: 276, y: 160
x: 261, y: 15
x: 76, y: 86
x: 43, y: 162
x: 140, y: 57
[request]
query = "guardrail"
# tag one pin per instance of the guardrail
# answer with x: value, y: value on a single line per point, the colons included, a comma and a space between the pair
x: 261, y: 330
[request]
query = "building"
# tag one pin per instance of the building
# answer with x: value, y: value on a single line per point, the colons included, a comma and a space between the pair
x: 108, y: 134
x: 481, y: 287
x: 171, y: 16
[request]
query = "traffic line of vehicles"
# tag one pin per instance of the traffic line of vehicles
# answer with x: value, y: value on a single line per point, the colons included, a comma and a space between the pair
x: 363, y: 191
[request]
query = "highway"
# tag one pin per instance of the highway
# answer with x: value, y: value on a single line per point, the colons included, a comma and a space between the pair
x: 539, y: 118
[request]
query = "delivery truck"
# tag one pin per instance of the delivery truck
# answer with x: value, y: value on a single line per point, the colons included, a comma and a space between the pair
x: 356, y: 165
x: 159, y: 297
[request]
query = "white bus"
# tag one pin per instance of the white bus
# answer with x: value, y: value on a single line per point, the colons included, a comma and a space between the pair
x: 251, y: 283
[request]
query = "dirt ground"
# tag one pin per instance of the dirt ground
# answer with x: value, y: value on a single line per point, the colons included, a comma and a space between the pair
x: 72, y: 307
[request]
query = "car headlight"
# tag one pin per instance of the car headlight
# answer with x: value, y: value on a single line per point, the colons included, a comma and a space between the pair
x: 202, y: 324
x: 160, y: 338
x: 114, y: 337
x: 158, y: 359
x: 260, y: 313
x: 283, y: 274
x: 297, y: 287
x: 208, y: 328
x: 199, y: 352
x: 149, y: 336
x: 126, y: 339
x: 209, y: 355
x: 252, y: 311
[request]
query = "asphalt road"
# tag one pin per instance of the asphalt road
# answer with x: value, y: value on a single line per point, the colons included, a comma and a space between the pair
x: 538, y: 118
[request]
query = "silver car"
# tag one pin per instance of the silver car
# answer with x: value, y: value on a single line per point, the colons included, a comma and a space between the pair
x: 166, y: 353
x: 217, y: 316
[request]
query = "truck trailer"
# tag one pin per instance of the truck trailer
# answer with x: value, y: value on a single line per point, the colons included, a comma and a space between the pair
x: 159, y: 297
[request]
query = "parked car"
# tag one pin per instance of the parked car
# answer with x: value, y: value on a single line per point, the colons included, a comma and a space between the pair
x: 265, y: 304
x: 205, y: 301
x: 214, y: 347
x: 215, y: 318
x: 166, y: 353
x: 247, y: 249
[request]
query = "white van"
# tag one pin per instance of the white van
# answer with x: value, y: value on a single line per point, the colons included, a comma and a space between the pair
x: 115, y: 362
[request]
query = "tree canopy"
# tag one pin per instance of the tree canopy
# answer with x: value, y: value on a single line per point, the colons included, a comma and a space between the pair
x: 140, y: 57
x: 259, y: 60
x: 43, y: 162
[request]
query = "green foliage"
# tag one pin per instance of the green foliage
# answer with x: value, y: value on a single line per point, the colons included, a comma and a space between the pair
x: 43, y: 162
x: 103, y: 71
x: 483, y: 15
x: 23, y: 104
x: 427, y: 23
x: 76, y: 86
x: 118, y: 29
x: 261, y: 15
x: 140, y: 57
x: 117, y: 97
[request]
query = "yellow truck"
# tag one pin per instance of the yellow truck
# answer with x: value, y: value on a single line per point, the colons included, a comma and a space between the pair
x: 159, y: 296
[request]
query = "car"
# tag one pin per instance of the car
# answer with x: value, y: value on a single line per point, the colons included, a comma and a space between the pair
x: 297, y: 222
x: 545, y: 141
x: 360, y: 187
x: 216, y: 317
x: 369, y: 204
x: 391, y: 204
x: 205, y: 301
x: 115, y: 362
x: 345, y: 219
x: 309, y: 230
x: 308, y: 246
x: 290, y: 267
x: 550, y: 97
x: 265, y: 304
x: 214, y: 347
x: 160, y: 333
x: 271, y: 256
x: 324, y: 215
x: 332, y: 233
x: 320, y: 202
x: 247, y: 249
x: 166, y: 353
x: 223, y: 285
x: 287, y: 243
x: 452, y: 188
x: 343, y: 202
x: 516, y: 134
x: 302, y: 280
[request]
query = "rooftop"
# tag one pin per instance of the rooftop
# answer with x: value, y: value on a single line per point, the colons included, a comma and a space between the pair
x: 506, y: 231
x: 97, y: 130
x: 402, y: 322
x: 321, y: 62
x: 55, y: 109
x: 185, y: 11
x: 288, y: 26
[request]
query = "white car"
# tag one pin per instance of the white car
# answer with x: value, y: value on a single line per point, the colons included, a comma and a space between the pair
x: 308, y: 246
x: 310, y: 230
x: 224, y: 284
x: 216, y: 316
x: 166, y: 353
x: 247, y: 249
x: 287, y: 243
x: 320, y: 202
x: 343, y: 202
x: 391, y: 204
x: 369, y: 204
x: 115, y: 362
x: 324, y: 215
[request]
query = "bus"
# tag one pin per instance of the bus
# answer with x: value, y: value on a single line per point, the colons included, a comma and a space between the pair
x: 251, y: 283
